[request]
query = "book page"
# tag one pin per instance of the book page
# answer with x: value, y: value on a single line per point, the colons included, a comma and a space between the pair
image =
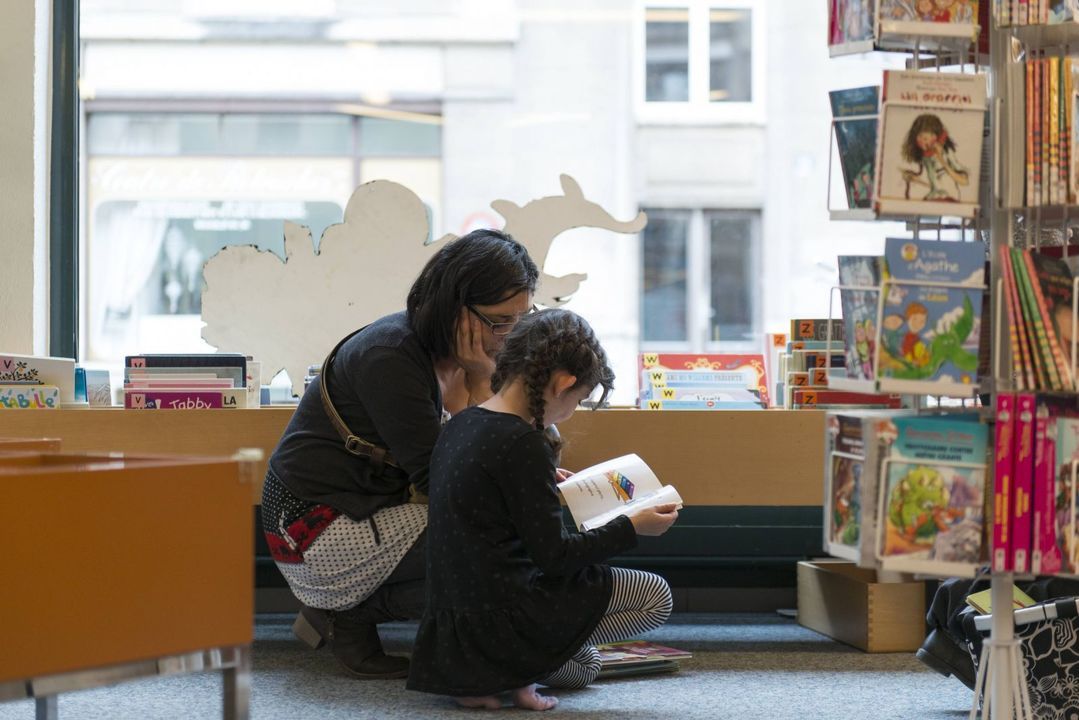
x: 666, y: 495
x: 607, y: 486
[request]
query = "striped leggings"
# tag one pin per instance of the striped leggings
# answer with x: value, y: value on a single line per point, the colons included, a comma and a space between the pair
x: 640, y: 601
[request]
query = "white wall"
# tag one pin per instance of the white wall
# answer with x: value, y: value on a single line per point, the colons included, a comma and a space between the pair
x: 24, y: 37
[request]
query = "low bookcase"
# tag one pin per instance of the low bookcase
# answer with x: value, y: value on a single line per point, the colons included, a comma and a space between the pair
x: 121, y: 567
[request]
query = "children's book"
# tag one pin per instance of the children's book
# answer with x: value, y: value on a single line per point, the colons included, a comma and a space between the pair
x: 638, y: 657
x: 983, y: 601
x: 599, y: 494
x: 844, y: 465
x: 931, y: 509
x: 816, y: 329
x: 1003, y: 482
x: 878, y: 433
x: 1054, y: 278
x: 708, y: 381
x: 40, y: 370
x: 1023, y: 483
x: 855, y: 119
x: 860, y: 312
x: 29, y: 397
x: 931, y: 316
x: 850, y: 22
x: 1067, y: 507
x: 900, y: 19
x: 930, y: 150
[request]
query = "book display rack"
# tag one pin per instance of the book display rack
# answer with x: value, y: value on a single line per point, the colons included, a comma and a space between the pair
x: 1013, y: 199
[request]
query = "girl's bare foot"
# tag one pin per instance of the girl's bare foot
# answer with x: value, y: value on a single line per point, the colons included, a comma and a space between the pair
x: 528, y: 698
x: 490, y: 702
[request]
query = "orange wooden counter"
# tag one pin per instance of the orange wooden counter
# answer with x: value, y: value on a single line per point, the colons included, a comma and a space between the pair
x: 770, y: 457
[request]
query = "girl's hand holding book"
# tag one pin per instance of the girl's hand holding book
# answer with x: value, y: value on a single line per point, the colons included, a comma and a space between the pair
x: 654, y: 521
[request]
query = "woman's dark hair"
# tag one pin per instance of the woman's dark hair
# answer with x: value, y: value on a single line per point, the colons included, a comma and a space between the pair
x: 546, y: 341
x: 484, y: 267
x: 924, y: 123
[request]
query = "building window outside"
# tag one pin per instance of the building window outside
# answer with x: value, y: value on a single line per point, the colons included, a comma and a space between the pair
x: 702, y: 61
x: 166, y: 191
x: 700, y: 280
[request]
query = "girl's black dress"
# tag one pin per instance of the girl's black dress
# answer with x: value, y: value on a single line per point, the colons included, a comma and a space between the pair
x: 511, y: 593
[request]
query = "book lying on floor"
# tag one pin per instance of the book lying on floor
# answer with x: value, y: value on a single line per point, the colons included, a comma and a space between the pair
x: 638, y: 657
x: 599, y: 494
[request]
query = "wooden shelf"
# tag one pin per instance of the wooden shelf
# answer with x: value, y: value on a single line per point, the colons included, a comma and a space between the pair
x: 770, y: 457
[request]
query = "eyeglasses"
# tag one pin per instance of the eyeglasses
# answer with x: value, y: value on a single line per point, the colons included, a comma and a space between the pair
x: 500, y: 328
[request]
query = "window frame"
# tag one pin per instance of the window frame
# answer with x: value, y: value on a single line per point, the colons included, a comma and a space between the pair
x: 698, y: 110
x: 699, y: 282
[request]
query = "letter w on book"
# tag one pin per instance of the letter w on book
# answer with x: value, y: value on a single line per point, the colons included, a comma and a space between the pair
x: 599, y: 494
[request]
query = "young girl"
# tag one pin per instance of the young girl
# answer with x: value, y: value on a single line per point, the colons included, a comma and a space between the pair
x: 514, y: 598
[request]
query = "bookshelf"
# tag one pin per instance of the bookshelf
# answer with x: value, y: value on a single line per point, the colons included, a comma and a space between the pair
x: 1002, y: 223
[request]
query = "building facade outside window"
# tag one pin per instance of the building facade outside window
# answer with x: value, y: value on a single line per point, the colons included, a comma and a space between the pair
x: 701, y: 61
x: 168, y: 190
x: 700, y: 280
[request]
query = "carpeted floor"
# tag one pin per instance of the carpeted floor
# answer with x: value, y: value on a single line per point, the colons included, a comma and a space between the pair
x: 744, y: 667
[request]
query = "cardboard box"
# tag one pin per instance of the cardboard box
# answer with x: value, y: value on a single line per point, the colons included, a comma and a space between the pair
x: 848, y: 603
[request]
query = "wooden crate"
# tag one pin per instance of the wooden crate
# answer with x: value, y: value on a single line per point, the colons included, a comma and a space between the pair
x: 848, y: 603
x: 118, y: 560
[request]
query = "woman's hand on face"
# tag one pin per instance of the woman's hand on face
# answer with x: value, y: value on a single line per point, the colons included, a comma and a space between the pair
x: 655, y: 520
x: 473, y: 357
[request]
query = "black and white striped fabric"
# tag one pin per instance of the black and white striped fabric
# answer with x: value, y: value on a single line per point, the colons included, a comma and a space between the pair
x: 640, y: 601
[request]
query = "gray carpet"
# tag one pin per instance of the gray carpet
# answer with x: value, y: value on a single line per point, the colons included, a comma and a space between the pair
x: 744, y: 667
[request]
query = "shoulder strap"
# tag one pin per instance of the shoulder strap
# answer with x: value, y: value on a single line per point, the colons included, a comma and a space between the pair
x: 354, y: 444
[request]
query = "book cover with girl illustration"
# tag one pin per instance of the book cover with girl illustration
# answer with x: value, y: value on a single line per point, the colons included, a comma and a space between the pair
x: 931, y: 316
x: 930, y: 153
x: 855, y: 118
x: 860, y: 311
x: 931, y: 508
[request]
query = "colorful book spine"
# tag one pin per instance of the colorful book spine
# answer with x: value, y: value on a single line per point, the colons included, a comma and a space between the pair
x: 1030, y: 192
x: 1022, y: 482
x: 813, y: 398
x: 1041, y: 490
x: 1063, y: 370
x: 29, y: 397
x: 1054, y: 129
x: 1021, y: 370
x: 1043, y: 355
x: 1002, y: 483
x: 1052, y: 559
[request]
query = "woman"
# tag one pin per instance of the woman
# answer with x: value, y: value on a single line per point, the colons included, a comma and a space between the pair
x: 338, y: 519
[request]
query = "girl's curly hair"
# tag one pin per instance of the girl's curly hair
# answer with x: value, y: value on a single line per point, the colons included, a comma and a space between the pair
x: 546, y: 341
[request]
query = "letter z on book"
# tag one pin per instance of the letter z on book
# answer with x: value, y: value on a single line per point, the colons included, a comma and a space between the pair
x: 599, y: 494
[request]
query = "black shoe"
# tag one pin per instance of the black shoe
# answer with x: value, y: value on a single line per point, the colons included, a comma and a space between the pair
x: 353, y: 639
x: 947, y: 657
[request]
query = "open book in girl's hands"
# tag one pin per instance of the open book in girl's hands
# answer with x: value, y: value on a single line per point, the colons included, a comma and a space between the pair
x: 599, y: 494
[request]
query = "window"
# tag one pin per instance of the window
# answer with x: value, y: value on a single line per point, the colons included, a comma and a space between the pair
x: 702, y: 61
x: 168, y: 190
x: 700, y: 280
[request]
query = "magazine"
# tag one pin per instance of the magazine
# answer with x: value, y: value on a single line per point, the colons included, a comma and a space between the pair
x: 599, y: 494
